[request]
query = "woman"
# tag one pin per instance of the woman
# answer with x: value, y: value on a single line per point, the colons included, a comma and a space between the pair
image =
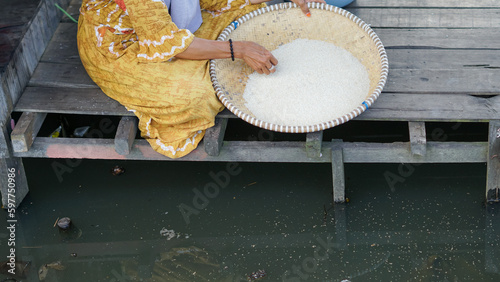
x: 152, y: 57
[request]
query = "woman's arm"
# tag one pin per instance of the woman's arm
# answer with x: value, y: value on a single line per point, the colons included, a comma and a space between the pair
x: 256, y: 56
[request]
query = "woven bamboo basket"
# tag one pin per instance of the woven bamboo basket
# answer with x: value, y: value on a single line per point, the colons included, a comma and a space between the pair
x: 279, y: 24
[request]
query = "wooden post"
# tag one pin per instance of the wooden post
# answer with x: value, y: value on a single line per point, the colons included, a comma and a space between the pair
x: 11, y: 171
x: 493, y: 163
x: 125, y: 135
x: 214, y: 137
x: 26, y: 130
x: 418, y: 139
x: 313, y: 144
x: 338, y: 171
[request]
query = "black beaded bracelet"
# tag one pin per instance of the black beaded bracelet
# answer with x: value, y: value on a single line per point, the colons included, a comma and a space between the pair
x: 231, y: 47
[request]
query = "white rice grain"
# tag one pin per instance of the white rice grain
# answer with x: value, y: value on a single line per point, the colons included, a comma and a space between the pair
x: 314, y: 82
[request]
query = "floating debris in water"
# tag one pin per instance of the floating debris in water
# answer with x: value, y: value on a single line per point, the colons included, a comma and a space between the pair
x: 68, y: 230
x: 117, y: 170
x: 64, y: 223
x: 170, y: 234
x: 167, y: 233
x: 73, y: 255
x: 259, y: 274
x: 44, y: 269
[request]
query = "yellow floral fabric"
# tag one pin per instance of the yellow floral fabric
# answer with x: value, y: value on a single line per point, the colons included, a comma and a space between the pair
x: 128, y: 48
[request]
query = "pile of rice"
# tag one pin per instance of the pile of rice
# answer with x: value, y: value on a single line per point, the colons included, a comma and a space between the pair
x: 314, y: 82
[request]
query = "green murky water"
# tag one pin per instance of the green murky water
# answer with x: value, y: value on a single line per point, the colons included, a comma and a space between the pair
x: 210, y: 221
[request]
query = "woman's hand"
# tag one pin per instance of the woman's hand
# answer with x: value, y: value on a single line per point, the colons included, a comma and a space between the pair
x: 256, y: 56
x: 303, y: 5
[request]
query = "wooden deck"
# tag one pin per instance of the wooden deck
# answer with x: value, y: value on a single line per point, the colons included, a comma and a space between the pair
x: 444, y: 59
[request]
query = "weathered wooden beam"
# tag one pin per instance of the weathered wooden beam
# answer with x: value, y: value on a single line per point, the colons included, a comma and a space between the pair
x: 418, y: 139
x: 214, y: 137
x: 13, y: 182
x: 314, y: 141
x: 5, y: 102
x: 125, y: 135
x: 493, y: 163
x: 338, y: 171
x: 26, y: 130
x: 260, y: 151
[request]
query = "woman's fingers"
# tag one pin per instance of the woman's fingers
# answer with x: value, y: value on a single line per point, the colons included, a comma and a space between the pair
x: 257, y: 57
x: 303, y: 5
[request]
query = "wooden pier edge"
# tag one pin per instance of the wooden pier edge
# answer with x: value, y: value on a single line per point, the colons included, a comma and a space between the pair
x: 13, y: 80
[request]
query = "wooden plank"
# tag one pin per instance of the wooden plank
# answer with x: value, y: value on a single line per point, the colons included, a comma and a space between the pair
x: 399, y: 152
x: 63, y: 49
x: 461, y: 80
x: 418, y: 139
x: 74, y: 10
x: 337, y: 156
x: 42, y: 21
x: 6, y: 105
x: 389, y: 106
x: 429, y: 17
x: 214, y: 137
x: 61, y: 75
x: 471, y: 81
x: 30, y: 54
x: 313, y: 144
x: 26, y: 130
x: 63, y: 46
x: 493, y: 162
x: 426, y: 3
x: 4, y: 139
x: 69, y: 100
x: 439, y: 38
x: 125, y: 135
x: 260, y: 151
x: 432, y: 107
x: 443, y: 59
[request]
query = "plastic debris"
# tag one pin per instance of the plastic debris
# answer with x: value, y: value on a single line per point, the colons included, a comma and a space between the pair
x: 56, y: 132
x: 81, y: 131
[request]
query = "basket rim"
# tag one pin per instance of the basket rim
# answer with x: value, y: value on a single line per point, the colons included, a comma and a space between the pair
x: 303, y: 128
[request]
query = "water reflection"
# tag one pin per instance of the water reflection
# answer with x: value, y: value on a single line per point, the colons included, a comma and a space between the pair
x: 273, y: 218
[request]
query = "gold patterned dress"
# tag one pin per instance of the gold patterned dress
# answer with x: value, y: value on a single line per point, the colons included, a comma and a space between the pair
x: 128, y: 49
